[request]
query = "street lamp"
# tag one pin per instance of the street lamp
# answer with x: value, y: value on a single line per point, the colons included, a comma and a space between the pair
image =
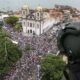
x: 38, y: 69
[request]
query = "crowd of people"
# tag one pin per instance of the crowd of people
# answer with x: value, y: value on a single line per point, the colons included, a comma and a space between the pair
x: 26, y: 67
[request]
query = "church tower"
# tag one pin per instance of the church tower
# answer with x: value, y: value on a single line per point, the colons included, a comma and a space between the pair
x: 25, y: 11
x: 39, y: 13
x: 39, y: 18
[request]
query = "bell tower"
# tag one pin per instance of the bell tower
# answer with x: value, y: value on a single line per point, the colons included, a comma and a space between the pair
x: 25, y: 11
x: 39, y: 13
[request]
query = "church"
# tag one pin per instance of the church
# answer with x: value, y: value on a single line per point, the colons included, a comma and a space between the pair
x: 33, y: 21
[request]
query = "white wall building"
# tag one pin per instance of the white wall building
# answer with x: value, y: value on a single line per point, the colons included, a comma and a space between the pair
x: 34, y: 21
x: 2, y: 16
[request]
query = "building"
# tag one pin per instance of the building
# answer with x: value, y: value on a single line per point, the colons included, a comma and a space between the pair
x: 33, y: 20
x: 3, y: 16
x: 55, y: 13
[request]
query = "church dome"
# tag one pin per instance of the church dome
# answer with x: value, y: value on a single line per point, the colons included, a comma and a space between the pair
x: 39, y: 8
x: 25, y: 7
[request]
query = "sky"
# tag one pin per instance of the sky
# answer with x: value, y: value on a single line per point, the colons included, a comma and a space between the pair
x: 17, y: 4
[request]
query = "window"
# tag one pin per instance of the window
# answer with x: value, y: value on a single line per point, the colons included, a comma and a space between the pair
x: 30, y: 31
x: 24, y: 12
x: 33, y: 33
x: 30, y: 24
x: 37, y: 14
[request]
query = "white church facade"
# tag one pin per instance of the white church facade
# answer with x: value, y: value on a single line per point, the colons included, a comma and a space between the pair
x: 33, y: 21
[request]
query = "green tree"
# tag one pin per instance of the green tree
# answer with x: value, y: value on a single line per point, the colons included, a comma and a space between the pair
x: 12, y: 20
x: 9, y: 53
x: 18, y: 27
x: 1, y: 23
x: 52, y: 67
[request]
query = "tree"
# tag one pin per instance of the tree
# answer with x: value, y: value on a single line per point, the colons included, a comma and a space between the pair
x: 52, y: 67
x: 18, y: 27
x: 9, y: 53
x: 1, y: 23
x: 12, y: 20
